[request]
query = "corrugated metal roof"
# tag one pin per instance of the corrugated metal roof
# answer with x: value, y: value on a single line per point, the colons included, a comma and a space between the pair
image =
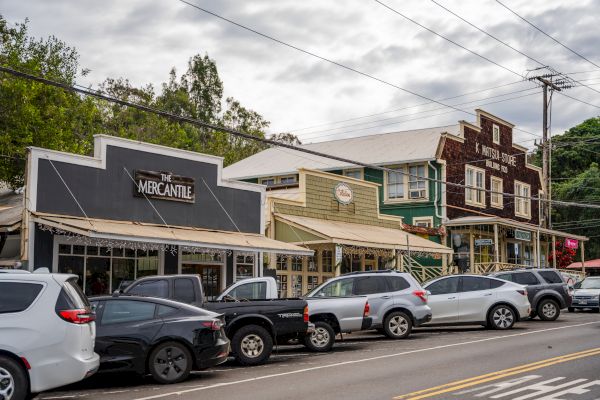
x: 381, y: 149
x: 11, y: 210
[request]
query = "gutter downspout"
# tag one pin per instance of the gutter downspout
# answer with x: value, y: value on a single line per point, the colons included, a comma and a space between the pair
x: 435, y: 200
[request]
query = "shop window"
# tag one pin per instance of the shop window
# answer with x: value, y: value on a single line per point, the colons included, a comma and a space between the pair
x: 297, y: 264
x: 312, y: 282
x: 287, y: 179
x: 522, y: 200
x: 496, y: 134
x: 216, y: 257
x: 244, y: 267
x: 327, y: 260
x: 417, y: 184
x: 282, y: 263
x: 475, y: 182
x: 312, y: 264
x: 370, y: 262
x: 356, y: 173
x: 496, y: 197
x: 461, y: 247
x: 296, y: 285
x: 282, y: 286
x: 519, y: 253
x: 267, y: 181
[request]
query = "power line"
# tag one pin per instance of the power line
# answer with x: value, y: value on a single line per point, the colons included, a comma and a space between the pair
x: 234, y: 132
x: 544, y: 33
x: 449, y: 40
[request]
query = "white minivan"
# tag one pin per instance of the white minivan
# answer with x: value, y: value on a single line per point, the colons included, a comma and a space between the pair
x: 47, y: 333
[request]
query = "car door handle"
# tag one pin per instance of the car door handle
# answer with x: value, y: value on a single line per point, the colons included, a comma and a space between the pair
x: 451, y: 298
x: 487, y: 294
x: 385, y: 297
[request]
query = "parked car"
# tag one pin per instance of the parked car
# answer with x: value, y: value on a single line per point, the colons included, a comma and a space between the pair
x: 587, y: 294
x: 331, y: 315
x: 47, y: 333
x: 397, y: 301
x: 164, y: 338
x: 252, y: 326
x: 548, y: 293
x: 473, y: 299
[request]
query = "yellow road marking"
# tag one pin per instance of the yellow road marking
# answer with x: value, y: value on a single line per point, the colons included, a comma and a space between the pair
x: 476, y: 380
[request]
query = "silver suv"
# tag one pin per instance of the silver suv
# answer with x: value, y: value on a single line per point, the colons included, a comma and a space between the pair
x: 397, y: 301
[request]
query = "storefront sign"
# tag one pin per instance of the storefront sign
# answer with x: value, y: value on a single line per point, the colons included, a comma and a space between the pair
x: 571, y: 243
x: 343, y: 193
x: 522, y: 235
x: 484, y: 242
x: 496, y: 157
x: 164, y: 186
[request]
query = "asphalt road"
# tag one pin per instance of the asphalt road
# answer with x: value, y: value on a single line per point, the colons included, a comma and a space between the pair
x: 535, y: 360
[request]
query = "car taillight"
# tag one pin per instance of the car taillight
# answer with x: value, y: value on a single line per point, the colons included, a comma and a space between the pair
x: 305, y: 314
x: 421, y: 294
x: 522, y: 291
x: 214, y: 325
x: 26, y: 363
x: 366, y: 310
x: 77, y: 316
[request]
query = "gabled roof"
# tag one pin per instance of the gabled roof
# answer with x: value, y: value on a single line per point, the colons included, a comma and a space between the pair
x: 381, y: 149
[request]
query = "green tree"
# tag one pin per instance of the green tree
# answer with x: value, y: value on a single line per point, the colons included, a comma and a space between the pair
x: 34, y: 114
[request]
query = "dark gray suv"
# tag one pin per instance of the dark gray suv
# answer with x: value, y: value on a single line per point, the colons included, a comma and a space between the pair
x: 547, y: 291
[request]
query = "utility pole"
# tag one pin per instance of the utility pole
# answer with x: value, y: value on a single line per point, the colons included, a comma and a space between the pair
x: 547, y: 81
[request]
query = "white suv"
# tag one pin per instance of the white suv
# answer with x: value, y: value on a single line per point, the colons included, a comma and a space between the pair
x: 47, y: 333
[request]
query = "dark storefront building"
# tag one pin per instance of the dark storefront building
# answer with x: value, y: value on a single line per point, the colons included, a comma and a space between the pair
x: 490, y: 231
x: 137, y: 209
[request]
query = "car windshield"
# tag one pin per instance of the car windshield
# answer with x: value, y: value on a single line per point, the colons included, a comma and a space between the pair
x: 589, y: 284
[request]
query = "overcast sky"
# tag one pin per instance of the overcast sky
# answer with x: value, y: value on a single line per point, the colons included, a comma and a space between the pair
x: 142, y: 39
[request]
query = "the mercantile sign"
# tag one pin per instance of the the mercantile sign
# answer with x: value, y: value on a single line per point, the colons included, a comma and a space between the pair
x: 164, y: 186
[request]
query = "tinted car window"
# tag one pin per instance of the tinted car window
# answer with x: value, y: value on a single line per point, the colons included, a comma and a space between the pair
x: 551, y: 276
x: 254, y: 290
x: 118, y: 311
x: 494, y: 283
x: 184, y: 290
x: 165, y: 310
x: 443, y: 286
x: 75, y: 294
x: 158, y: 288
x: 474, y: 283
x: 397, y: 283
x: 506, y: 277
x: 17, y: 296
x: 525, y: 278
x: 369, y: 285
x: 340, y: 287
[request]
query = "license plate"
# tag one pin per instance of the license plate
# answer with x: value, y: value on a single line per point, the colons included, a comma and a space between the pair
x: 582, y: 301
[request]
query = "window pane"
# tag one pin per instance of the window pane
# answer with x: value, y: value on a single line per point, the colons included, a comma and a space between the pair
x: 16, y: 296
x: 473, y: 283
x: 327, y: 260
x: 165, y: 310
x: 71, y: 265
x: 443, y: 286
x: 397, y: 283
x: 282, y: 263
x: 97, y: 276
x: 157, y: 288
x: 123, y: 269
x: 148, y: 264
x: 282, y: 286
x: 506, y: 277
x: 297, y: 264
x: 340, y: 287
x: 184, y: 290
x: 251, y: 291
x: 64, y: 248
x: 296, y: 285
x: 369, y: 285
x: 118, y: 311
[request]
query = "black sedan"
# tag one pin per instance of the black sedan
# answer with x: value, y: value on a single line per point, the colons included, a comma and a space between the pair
x: 161, y: 337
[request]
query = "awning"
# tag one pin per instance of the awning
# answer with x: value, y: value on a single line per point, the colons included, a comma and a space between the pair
x: 363, y: 235
x: 174, y: 235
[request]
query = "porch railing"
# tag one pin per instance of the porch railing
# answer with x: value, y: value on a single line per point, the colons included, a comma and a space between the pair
x: 420, y: 272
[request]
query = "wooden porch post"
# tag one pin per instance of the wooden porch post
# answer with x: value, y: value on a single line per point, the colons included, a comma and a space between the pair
x: 553, y: 251
x: 583, y: 257
x: 472, y: 251
x: 496, y: 248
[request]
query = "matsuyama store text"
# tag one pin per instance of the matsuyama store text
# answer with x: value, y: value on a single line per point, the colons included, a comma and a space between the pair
x: 137, y: 209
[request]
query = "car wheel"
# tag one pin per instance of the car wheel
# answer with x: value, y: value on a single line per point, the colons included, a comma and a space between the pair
x: 397, y: 325
x: 548, y: 310
x: 13, y: 380
x: 170, y: 362
x: 571, y: 309
x: 501, y: 317
x: 596, y: 310
x: 252, y: 345
x: 322, y: 339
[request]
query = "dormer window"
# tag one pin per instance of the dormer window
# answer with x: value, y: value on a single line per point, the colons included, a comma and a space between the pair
x: 496, y: 134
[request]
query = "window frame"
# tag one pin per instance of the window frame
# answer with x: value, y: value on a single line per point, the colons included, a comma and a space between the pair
x: 417, y: 220
x: 500, y: 203
x: 495, y: 128
x: 404, y: 171
x: 361, y: 172
x: 519, y: 191
x: 475, y: 189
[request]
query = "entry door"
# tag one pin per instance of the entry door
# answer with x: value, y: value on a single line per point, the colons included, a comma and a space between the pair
x: 210, y: 275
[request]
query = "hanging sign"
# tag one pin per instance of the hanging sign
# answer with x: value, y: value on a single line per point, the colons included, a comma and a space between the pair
x: 164, y: 186
x: 343, y: 193
x: 571, y: 243
x: 484, y: 242
x: 523, y: 235
x: 338, y: 255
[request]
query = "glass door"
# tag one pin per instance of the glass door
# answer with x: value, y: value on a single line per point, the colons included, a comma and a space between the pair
x: 210, y: 275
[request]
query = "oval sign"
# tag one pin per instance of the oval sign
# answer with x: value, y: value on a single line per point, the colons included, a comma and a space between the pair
x: 343, y: 193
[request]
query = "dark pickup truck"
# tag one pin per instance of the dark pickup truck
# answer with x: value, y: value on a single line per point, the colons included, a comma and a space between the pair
x: 252, y: 326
